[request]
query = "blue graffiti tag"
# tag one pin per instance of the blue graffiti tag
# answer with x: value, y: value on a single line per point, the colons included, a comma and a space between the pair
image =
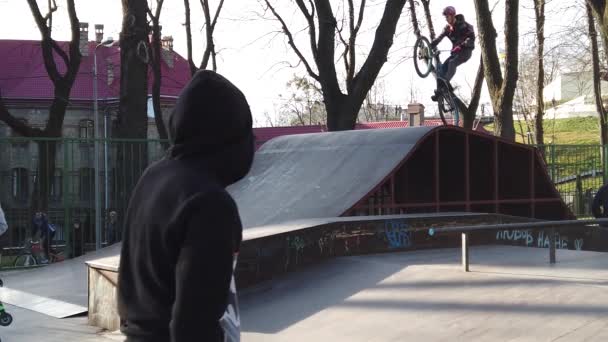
x: 397, y: 234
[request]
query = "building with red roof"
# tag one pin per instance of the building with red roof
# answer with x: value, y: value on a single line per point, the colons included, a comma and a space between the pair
x: 28, y: 92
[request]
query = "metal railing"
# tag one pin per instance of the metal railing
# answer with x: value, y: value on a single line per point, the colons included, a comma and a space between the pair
x: 465, y: 231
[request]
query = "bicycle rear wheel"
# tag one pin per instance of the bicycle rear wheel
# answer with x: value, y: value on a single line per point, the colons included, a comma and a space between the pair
x: 448, y: 106
x: 423, y: 57
x: 25, y: 260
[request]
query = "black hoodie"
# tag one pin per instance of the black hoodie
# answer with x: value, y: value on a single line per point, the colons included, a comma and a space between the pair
x: 182, y: 229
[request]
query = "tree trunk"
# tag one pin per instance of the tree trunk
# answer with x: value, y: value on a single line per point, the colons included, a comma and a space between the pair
x: 600, y: 13
x: 132, y: 111
x: 156, y: 85
x: 597, y: 86
x: 501, y: 90
x: 468, y: 112
x: 134, y: 56
x: 539, y: 7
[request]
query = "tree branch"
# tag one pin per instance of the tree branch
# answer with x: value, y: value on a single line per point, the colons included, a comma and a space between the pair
x: 325, y: 61
x: 60, y: 52
x: 49, y: 16
x: 16, y: 124
x: 291, y: 42
x: 360, y: 19
x: 477, y: 86
x: 159, y: 6
x: 46, y: 43
x: 382, y: 43
x: 311, y: 25
x: 208, y: 34
x: 344, y: 54
x: 75, y: 57
x: 193, y: 67
x: 350, y: 71
x: 429, y: 20
x: 511, y: 48
x: 217, y: 14
x: 414, y: 18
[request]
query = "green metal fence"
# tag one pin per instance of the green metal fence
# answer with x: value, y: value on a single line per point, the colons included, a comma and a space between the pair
x: 65, y: 191
x: 68, y: 169
x: 577, y: 171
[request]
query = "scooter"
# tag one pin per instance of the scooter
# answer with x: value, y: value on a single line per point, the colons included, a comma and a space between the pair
x: 5, y: 318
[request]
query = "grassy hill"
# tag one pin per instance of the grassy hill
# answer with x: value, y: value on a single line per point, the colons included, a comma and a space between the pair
x: 575, y: 131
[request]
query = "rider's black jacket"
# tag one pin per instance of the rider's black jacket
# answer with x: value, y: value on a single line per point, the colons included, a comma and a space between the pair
x: 461, y: 34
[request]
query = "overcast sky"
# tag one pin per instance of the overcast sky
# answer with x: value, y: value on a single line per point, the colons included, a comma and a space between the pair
x: 258, y: 60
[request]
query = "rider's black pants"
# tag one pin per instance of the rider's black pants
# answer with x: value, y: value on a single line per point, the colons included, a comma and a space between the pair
x: 448, y: 68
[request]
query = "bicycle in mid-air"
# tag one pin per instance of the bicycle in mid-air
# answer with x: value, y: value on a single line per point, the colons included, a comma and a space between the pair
x: 426, y: 60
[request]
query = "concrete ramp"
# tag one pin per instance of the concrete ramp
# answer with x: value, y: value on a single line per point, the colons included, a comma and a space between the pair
x: 319, y: 175
x: 58, y: 290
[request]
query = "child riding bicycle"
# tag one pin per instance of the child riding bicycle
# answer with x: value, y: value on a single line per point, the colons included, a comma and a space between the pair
x: 40, y: 224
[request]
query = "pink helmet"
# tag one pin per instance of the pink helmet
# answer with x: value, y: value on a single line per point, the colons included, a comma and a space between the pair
x: 449, y: 11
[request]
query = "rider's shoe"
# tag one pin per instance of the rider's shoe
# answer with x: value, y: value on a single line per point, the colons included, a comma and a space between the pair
x: 434, y: 96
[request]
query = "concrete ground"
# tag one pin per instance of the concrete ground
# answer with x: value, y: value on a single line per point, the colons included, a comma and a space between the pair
x: 512, y: 294
x: 30, y: 326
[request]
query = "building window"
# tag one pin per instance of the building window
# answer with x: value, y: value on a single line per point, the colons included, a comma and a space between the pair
x: 56, y: 185
x: 19, y: 147
x: 87, y: 187
x: 19, y: 184
x: 86, y: 129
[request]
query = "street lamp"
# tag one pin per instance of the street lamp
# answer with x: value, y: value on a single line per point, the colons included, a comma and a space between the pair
x: 109, y: 42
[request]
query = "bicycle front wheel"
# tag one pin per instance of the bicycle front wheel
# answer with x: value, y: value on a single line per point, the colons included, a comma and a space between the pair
x: 25, y: 260
x: 423, y: 57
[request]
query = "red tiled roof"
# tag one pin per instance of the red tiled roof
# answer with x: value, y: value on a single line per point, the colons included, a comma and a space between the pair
x: 24, y: 77
x: 264, y: 134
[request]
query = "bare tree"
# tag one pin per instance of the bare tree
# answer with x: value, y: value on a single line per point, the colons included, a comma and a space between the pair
x: 342, y: 108
x: 155, y: 62
x: 304, y: 103
x: 210, y: 22
x: 375, y: 107
x: 597, y: 86
x: 62, y: 82
x: 502, y: 90
x: 539, y: 13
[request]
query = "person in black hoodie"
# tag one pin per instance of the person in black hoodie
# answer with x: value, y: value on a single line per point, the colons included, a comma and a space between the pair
x: 462, y: 36
x: 182, y: 229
